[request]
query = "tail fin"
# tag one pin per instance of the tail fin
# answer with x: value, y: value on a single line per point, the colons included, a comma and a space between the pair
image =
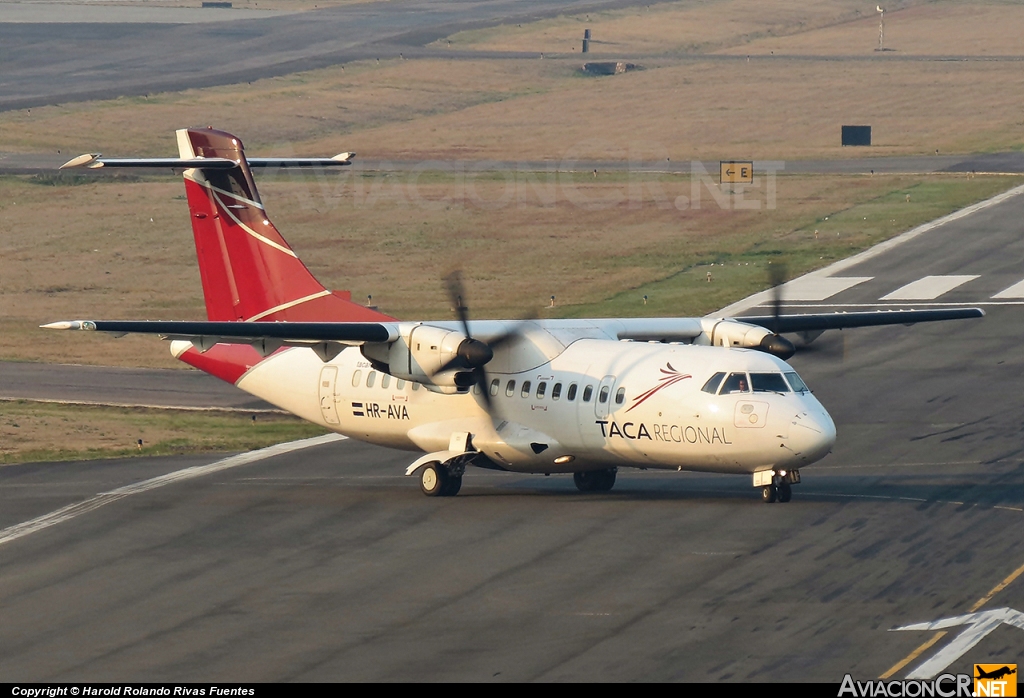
x: 249, y: 271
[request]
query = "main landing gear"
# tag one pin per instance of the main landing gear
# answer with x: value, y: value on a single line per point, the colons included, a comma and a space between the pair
x: 595, y: 480
x: 438, y: 480
x: 776, y: 485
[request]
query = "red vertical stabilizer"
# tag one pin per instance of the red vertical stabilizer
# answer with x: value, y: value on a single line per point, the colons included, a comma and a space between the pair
x: 249, y: 271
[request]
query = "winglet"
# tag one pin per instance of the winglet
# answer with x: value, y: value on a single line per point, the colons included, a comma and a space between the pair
x: 90, y: 160
x: 70, y: 325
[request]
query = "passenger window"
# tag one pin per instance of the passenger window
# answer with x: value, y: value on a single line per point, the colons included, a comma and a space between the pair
x: 526, y: 389
x: 385, y: 380
x: 556, y: 391
x: 371, y: 378
x: 510, y: 388
x: 542, y: 388
x: 713, y: 382
x: 588, y: 393
x: 602, y: 397
x: 400, y: 384
x: 356, y: 378
x: 768, y: 383
x: 795, y: 382
x: 494, y: 386
x: 620, y: 396
x: 571, y: 395
x: 415, y: 386
x: 736, y: 383
x: 476, y: 388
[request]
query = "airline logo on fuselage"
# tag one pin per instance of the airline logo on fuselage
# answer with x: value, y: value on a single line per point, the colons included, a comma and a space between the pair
x: 671, y: 377
x: 664, y: 432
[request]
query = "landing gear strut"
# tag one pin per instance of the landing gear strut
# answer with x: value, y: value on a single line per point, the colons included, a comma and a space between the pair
x: 776, y: 485
x: 595, y: 480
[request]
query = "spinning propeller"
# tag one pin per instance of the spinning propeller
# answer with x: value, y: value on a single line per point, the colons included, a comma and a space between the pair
x: 472, y: 354
x: 774, y: 343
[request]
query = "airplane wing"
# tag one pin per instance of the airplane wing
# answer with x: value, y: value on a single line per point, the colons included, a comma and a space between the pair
x: 838, y: 321
x: 270, y: 334
x: 95, y: 161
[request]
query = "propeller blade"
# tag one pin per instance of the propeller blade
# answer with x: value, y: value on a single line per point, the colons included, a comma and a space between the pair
x: 456, y: 292
x: 777, y: 277
x: 480, y: 374
x: 474, y: 354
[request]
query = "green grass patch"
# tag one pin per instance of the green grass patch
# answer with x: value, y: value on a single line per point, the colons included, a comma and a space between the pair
x: 31, y: 432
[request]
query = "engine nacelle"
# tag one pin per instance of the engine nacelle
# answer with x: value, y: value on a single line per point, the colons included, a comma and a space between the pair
x: 733, y: 333
x: 419, y: 354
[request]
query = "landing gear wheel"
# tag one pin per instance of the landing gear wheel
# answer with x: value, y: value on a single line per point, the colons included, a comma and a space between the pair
x: 785, y: 492
x: 595, y: 480
x: 434, y: 480
x: 768, y: 494
x: 605, y: 480
x: 452, y: 488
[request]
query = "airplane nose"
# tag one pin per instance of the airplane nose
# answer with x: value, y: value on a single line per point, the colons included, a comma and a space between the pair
x: 811, y: 436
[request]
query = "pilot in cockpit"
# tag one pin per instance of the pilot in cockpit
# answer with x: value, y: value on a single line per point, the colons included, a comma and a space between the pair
x: 735, y: 383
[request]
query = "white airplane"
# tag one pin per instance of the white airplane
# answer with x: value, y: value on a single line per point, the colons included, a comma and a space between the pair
x: 541, y: 396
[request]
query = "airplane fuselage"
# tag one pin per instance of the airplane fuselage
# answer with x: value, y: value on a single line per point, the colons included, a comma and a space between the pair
x: 597, y: 404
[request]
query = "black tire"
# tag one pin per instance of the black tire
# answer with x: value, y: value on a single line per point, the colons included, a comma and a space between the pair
x: 452, y: 487
x: 604, y: 480
x: 785, y: 492
x: 584, y: 481
x: 595, y: 480
x: 768, y: 494
x: 433, y: 480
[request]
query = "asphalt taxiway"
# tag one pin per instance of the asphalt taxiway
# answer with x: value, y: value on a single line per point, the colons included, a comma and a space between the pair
x: 325, y: 563
x: 53, y: 56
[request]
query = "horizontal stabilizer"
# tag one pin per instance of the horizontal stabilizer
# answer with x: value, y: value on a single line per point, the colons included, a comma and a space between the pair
x: 96, y: 160
x: 876, y: 318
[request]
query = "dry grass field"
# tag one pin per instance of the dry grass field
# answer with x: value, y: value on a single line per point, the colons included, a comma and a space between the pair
x: 697, y: 97
x: 121, y: 248
x: 27, y: 431
x: 947, y: 28
x: 115, y: 249
x: 686, y: 26
x: 755, y: 27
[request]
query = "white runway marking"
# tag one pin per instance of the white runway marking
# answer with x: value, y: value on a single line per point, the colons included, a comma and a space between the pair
x: 812, y: 288
x: 872, y: 252
x: 1015, y: 291
x: 928, y: 288
x: 93, y: 503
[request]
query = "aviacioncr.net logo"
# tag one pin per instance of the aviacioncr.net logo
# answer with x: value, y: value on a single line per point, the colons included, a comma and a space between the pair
x: 944, y: 686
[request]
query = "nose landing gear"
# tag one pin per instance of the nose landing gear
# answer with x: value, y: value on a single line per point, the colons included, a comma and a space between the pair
x: 776, y: 485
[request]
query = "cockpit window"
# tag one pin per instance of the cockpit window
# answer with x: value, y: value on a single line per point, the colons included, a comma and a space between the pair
x: 797, y: 384
x: 713, y: 382
x: 736, y: 383
x: 768, y: 383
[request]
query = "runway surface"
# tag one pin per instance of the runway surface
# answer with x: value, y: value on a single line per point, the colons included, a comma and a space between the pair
x: 50, y: 62
x: 978, y: 163
x: 55, y: 53
x: 328, y: 564
x: 133, y: 387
